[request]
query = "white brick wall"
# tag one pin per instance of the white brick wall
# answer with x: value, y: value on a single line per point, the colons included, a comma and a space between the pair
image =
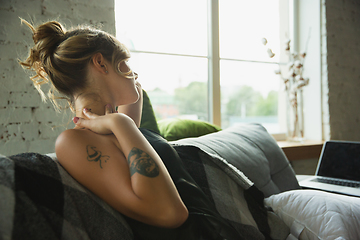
x: 26, y: 124
x: 343, y: 68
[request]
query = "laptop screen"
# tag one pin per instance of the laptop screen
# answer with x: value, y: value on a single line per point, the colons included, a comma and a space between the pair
x: 340, y: 159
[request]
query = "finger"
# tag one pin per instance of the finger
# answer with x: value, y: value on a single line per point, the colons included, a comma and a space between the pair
x: 80, y: 123
x: 76, y: 120
x: 89, y: 114
x: 108, y: 109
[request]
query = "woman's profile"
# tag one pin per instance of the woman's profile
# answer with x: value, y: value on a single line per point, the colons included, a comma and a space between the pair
x: 134, y: 170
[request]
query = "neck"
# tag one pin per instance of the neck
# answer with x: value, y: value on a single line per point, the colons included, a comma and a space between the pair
x: 93, y: 102
x: 95, y: 97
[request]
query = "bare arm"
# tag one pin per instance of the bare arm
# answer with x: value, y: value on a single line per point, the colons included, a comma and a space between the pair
x: 131, y: 178
x: 134, y: 110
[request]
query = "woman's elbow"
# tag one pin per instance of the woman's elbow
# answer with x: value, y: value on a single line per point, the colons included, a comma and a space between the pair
x: 181, y: 216
x: 174, y: 218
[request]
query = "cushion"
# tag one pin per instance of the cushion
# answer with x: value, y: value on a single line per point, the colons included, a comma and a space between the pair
x: 313, y: 214
x: 175, y: 128
x: 251, y: 149
x: 148, y: 119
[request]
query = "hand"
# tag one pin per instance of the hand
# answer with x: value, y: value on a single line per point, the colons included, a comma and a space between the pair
x: 96, y: 123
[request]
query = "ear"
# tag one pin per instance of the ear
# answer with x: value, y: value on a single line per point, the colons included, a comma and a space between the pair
x: 99, y: 63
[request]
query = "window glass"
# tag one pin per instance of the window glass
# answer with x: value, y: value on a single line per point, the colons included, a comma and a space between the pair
x: 163, y: 26
x: 176, y: 85
x: 249, y: 86
x: 249, y: 93
x: 243, y: 24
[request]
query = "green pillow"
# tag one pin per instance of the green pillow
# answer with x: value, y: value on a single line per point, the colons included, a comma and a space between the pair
x: 148, y: 119
x: 175, y: 128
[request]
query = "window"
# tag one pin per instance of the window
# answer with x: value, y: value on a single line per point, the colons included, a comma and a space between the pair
x: 171, y: 51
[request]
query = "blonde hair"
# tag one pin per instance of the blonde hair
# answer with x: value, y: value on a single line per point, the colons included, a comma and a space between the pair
x: 61, y: 58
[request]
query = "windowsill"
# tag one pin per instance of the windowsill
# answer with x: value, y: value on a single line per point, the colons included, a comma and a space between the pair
x: 298, y: 151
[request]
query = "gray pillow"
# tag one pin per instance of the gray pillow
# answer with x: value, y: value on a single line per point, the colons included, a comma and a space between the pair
x: 251, y: 149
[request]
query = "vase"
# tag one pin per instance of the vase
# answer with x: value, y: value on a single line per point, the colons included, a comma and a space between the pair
x: 295, y: 117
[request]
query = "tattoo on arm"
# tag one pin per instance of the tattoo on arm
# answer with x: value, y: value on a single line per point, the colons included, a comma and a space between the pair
x: 141, y: 162
x: 94, y: 155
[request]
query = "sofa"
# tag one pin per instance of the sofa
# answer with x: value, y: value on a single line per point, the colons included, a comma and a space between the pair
x: 241, y: 169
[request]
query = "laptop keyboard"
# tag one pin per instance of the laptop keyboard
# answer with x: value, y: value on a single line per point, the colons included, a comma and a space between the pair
x: 337, y: 182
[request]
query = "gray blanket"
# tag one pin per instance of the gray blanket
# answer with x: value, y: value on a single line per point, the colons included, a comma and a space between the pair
x: 40, y: 200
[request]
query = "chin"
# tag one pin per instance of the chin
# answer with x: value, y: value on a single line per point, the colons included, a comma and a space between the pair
x: 137, y: 97
x: 133, y: 98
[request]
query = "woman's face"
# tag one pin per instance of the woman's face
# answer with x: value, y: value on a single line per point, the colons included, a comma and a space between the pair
x: 124, y: 89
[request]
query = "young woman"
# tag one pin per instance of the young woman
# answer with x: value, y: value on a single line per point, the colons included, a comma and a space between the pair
x: 135, y: 171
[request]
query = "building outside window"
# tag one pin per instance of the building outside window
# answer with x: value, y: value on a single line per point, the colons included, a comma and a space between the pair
x: 172, y: 47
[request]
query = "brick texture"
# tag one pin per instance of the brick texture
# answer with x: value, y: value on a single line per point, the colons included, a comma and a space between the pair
x: 26, y: 123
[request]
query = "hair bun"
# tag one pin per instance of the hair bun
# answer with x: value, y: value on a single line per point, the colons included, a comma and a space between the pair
x: 47, y: 36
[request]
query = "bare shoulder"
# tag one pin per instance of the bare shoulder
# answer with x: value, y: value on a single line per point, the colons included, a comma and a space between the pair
x: 73, y: 135
x: 72, y: 139
x: 92, y: 159
x: 74, y: 145
x: 96, y: 163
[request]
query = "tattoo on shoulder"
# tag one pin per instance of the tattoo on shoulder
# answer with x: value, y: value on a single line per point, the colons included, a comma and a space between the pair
x: 142, y: 163
x: 94, y: 155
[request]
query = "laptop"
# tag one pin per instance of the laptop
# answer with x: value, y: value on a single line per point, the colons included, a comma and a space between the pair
x: 338, y: 169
